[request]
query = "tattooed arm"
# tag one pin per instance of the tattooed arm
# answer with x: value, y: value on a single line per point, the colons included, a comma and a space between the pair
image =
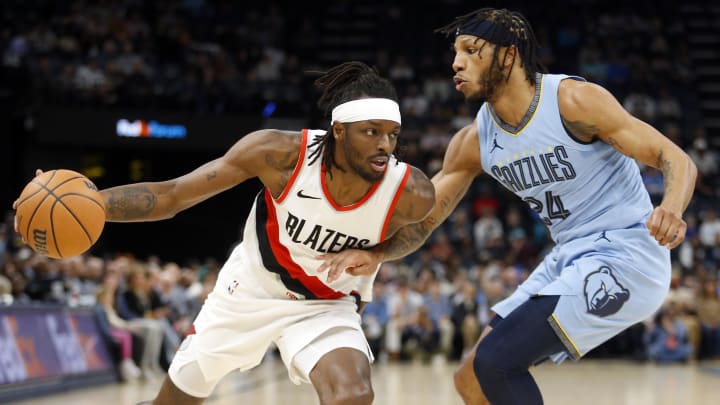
x: 415, y: 202
x: 268, y: 154
x: 591, y: 112
x: 460, y: 167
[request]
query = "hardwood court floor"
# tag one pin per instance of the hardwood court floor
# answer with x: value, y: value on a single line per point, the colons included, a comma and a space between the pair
x: 586, y: 382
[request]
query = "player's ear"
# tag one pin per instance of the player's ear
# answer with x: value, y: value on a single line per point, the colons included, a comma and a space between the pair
x: 510, y: 55
x: 338, y: 130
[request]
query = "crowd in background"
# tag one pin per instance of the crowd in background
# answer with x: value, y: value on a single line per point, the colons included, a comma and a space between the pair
x: 208, y: 56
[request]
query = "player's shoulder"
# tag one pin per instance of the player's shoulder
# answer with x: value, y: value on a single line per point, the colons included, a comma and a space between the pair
x: 467, y: 133
x: 278, y: 137
x: 578, y: 96
x: 276, y: 148
x: 272, y: 141
x: 419, y: 179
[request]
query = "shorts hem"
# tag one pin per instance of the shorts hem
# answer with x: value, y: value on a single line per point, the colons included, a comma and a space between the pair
x: 185, y: 389
x: 570, y: 347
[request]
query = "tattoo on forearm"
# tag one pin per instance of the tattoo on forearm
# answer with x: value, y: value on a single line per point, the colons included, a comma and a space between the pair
x: 211, y: 175
x: 664, y: 165
x: 130, y: 202
x: 411, y: 237
x: 407, y: 240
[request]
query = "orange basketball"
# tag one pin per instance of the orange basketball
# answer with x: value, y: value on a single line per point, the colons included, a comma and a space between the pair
x: 60, y: 214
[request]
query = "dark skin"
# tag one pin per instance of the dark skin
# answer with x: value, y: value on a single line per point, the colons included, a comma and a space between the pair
x: 342, y: 375
x: 591, y: 114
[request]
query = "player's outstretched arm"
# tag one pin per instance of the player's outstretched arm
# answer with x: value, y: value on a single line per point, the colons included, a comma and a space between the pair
x: 460, y: 167
x: 591, y: 112
x: 267, y: 154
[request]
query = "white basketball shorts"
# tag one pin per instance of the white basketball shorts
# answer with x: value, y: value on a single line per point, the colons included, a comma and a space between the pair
x: 241, y: 318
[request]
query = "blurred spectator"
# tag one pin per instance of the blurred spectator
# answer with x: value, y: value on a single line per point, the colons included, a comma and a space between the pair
x: 421, y: 339
x: 119, y: 330
x: 707, y: 165
x: 641, y: 105
x: 464, y: 318
x: 6, y: 297
x: 141, y: 307
x: 375, y: 318
x: 666, y: 339
x: 709, y: 230
x: 708, y: 309
x: 439, y: 310
x: 404, y: 309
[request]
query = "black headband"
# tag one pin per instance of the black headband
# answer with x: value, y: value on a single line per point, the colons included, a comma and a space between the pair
x: 489, y: 31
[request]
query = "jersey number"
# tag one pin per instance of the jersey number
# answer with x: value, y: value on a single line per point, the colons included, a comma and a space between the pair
x: 554, y: 204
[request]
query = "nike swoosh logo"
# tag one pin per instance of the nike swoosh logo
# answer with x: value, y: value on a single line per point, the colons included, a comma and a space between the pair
x: 301, y: 195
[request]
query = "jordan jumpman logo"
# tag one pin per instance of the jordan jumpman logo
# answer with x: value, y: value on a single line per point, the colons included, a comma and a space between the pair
x: 602, y: 236
x: 495, y: 144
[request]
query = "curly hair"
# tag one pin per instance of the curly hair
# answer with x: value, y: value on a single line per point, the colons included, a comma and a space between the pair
x: 342, y: 83
x: 512, y: 21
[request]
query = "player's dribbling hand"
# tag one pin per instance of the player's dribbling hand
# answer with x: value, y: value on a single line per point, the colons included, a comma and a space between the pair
x: 15, y: 203
x: 667, y: 227
x: 352, y: 261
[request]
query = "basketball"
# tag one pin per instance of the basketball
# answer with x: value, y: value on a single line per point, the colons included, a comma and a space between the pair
x: 60, y: 214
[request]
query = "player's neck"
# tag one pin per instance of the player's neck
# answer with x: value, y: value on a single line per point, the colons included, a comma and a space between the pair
x: 345, y: 186
x: 513, y: 99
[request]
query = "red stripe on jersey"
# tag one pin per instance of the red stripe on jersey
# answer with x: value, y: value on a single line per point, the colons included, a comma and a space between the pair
x: 346, y: 207
x: 298, y: 166
x: 282, y: 254
x: 394, y: 202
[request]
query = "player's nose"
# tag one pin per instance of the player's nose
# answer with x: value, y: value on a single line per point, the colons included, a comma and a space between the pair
x: 384, y: 143
x: 458, y: 63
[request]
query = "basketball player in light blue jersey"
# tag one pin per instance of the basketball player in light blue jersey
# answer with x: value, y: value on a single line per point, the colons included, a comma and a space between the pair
x: 567, y: 148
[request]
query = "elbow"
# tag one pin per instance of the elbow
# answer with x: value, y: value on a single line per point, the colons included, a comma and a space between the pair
x: 168, y: 215
x: 692, y: 171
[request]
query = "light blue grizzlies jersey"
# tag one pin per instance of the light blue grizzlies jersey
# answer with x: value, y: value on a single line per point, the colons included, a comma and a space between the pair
x: 576, y: 188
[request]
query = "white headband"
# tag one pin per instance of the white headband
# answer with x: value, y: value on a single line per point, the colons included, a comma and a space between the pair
x: 367, y: 109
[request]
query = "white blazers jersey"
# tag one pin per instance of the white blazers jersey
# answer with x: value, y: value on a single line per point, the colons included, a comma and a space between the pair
x: 284, y: 235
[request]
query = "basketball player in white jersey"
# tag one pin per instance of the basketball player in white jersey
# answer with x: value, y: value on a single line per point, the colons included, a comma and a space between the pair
x: 566, y: 147
x: 324, y: 192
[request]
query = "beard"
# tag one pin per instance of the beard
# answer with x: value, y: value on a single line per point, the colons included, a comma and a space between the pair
x: 356, y: 163
x: 488, y: 84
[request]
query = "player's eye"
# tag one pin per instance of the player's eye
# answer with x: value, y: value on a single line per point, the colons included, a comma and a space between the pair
x: 371, y: 131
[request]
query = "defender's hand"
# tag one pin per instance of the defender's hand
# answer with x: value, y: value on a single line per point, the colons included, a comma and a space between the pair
x: 353, y: 261
x: 667, y: 227
x: 15, y: 203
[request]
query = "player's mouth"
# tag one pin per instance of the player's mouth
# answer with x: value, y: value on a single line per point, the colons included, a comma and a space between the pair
x: 379, y: 164
x: 459, y: 82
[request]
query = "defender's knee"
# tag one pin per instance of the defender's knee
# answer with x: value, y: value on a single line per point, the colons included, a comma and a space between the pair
x: 486, y: 366
x: 356, y: 393
x: 466, y: 384
x: 460, y: 378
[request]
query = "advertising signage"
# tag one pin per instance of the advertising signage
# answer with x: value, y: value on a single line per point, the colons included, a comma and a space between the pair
x: 141, y: 129
x: 50, y: 349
